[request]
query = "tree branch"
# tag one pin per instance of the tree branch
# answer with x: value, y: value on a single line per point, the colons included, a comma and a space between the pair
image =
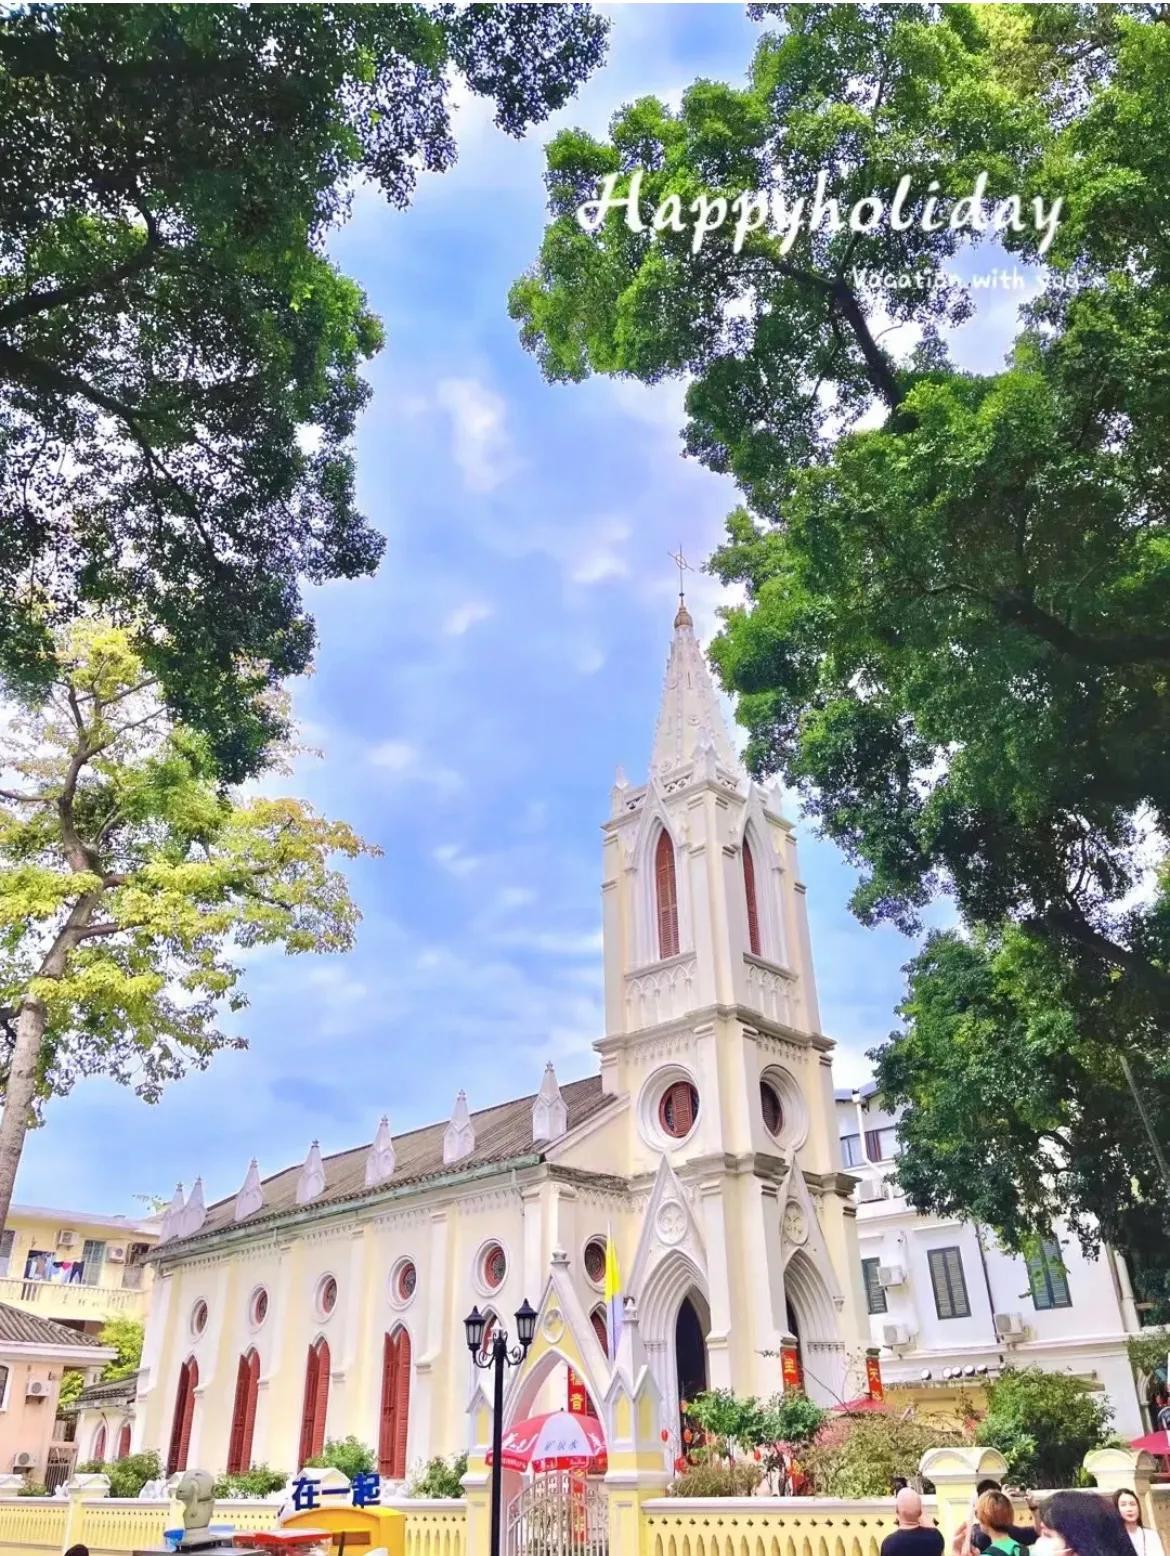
x: 33, y: 303
x: 1124, y: 648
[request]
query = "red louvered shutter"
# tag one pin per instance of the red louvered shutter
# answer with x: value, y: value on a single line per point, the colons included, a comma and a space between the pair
x: 124, y: 1440
x: 99, y: 1442
x: 386, y: 1415
x: 322, y: 1402
x: 309, y: 1409
x: 250, y: 1412
x: 667, y: 896
x: 749, y: 886
x: 192, y: 1382
x: 401, y: 1403
x: 235, y: 1461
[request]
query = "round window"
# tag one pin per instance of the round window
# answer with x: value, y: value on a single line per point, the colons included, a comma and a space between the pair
x: 259, y: 1309
x: 495, y: 1267
x: 199, y: 1317
x: 595, y: 1260
x: 772, y: 1108
x: 327, y: 1296
x: 405, y: 1281
x: 679, y: 1109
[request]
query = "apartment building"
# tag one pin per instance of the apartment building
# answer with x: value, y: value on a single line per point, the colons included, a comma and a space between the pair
x: 949, y: 1308
x: 74, y: 1268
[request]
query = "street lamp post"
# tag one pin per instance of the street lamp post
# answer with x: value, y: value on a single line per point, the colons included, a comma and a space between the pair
x: 500, y: 1357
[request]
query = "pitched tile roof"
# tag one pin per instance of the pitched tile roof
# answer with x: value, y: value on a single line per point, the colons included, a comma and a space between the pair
x: 121, y: 1390
x: 502, y: 1134
x: 20, y: 1328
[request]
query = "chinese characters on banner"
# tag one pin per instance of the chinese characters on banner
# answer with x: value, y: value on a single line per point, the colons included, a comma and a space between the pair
x: 366, y: 1491
x: 791, y: 1372
x: 578, y: 1402
x: 873, y: 1378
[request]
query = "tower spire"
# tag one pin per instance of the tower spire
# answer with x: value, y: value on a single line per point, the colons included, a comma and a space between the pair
x: 689, y: 717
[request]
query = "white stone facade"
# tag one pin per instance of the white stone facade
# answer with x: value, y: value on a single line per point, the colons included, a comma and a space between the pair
x: 972, y: 1307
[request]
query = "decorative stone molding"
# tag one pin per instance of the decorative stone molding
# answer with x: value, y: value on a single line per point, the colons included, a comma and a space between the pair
x: 194, y: 1212
x: 251, y: 1195
x: 380, y: 1162
x: 550, y: 1116
x: 172, y: 1216
x: 311, y: 1183
x: 661, y: 993
x: 459, y: 1139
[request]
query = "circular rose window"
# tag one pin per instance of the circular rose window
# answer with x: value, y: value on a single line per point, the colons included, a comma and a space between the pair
x: 772, y: 1109
x: 327, y: 1296
x: 199, y: 1317
x: 595, y: 1260
x: 495, y: 1267
x: 678, y: 1109
x: 405, y: 1281
x: 259, y: 1309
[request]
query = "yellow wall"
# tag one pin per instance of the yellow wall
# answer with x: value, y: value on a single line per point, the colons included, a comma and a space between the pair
x: 92, y: 1304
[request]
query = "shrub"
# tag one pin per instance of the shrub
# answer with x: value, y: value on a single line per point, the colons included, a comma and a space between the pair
x: 127, y: 1476
x: 349, y: 1456
x: 259, y: 1481
x: 860, y: 1456
x: 439, y: 1477
x: 717, y: 1479
x: 32, y: 1488
x: 1043, y: 1423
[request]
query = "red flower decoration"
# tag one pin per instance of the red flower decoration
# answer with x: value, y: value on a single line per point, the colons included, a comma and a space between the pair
x: 680, y: 1463
x: 688, y: 1436
x: 665, y: 1435
x: 756, y: 1455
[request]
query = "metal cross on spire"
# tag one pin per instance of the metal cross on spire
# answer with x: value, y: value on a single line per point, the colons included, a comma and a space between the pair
x: 683, y: 565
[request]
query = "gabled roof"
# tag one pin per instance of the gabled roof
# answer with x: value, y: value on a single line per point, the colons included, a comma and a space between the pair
x: 121, y: 1391
x: 20, y: 1328
x: 502, y: 1134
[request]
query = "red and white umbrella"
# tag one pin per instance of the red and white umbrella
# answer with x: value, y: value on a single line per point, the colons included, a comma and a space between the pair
x: 557, y: 1441
x: 1153, y: 1442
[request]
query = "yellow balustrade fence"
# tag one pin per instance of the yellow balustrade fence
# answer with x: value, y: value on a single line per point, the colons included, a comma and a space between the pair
x: 434, y: 1528
x: 766, y: 1526
x: 109, y: 1526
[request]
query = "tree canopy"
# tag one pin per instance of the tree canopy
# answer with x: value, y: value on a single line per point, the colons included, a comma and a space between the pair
x: 130, y: 884
x: 180, y: 364
x: 956, y: 633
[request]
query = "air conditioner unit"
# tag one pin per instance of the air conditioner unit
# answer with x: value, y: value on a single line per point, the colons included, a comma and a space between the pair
x: 895, y: 1335
x: 1009, y: 1326
x: 23, y: 1461
x: 36, y: 1389
x: 891, y: 1275
x: 116, y: 1254
x: 66, y: 1238
x: 871, y: 1189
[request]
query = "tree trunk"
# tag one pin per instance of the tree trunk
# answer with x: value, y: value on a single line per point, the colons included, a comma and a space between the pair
x: 18, y: 1097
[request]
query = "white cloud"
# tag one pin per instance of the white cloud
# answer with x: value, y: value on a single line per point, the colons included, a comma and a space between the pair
x: 588, y: 659
x: 480, y: 441
x: 398, y: 756
x: 465, y: 616
x: 515, y: 897
x: 454, y: 860
x: 552, y: 942
x: 599, y: 566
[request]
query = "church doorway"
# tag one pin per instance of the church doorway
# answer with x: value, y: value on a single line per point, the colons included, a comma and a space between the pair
x: 794, y: 1330
x: 690, y: 1352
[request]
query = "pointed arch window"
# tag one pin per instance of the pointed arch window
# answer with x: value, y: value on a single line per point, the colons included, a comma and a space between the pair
x: 123, y: 1441
x: 749, y: 888
x: 395, y: 1422
x: 244, y: 1414
x: 99, y: 1442
x: 316, y: 1401
x: 666, y: 896
x: 600, y: 1328
x: 183, y: 1417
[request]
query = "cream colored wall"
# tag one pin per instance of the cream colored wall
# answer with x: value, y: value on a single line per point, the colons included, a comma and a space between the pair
x: 26, y: 1425
x: 88, y: 1302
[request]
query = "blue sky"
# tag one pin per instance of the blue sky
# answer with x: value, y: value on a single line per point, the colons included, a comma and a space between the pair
x: 473, y: 700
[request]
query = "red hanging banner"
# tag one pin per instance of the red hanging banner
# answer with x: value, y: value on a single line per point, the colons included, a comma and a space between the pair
x: 873, y: 1376
x: 578, y: 1402
x: 791, y: 1372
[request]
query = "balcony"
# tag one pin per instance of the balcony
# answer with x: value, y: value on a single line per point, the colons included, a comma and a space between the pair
x: 53, y: 1299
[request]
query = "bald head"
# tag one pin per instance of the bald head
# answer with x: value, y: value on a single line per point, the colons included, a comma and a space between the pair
x: 908, y: 1508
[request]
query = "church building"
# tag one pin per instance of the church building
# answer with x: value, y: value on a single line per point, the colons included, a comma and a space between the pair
x: 329, y: 1299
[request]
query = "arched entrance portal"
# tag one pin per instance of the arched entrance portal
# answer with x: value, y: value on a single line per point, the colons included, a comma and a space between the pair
x: 812, y: 1318
x: 794, y: 1331
x: 690, y: 1352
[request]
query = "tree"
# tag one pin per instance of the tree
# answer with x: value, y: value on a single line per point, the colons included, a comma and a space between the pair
x: 179, y: 362
x: 131, y: 881
x: 957, y: 624
x: 347, y: 1454
x: 861, y: 1456
x: 126, y: 1336
x: 1044, y: 1423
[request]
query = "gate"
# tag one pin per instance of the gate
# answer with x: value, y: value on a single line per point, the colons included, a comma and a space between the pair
x: 558, y: 1513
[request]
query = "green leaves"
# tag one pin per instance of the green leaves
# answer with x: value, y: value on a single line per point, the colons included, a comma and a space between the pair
x: 172, y: 338
x: 1044, y: 1423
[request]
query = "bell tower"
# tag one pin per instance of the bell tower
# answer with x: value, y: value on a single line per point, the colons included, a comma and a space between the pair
x: 713, y: 1033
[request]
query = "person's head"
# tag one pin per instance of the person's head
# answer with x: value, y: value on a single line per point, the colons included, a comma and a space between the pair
x: 1127, y: 1504
x: 908, y: 1508
x: 987, y: 1485
x: 1081, y: 1523
x: 995, y: 1513
x: 77, y: 1550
